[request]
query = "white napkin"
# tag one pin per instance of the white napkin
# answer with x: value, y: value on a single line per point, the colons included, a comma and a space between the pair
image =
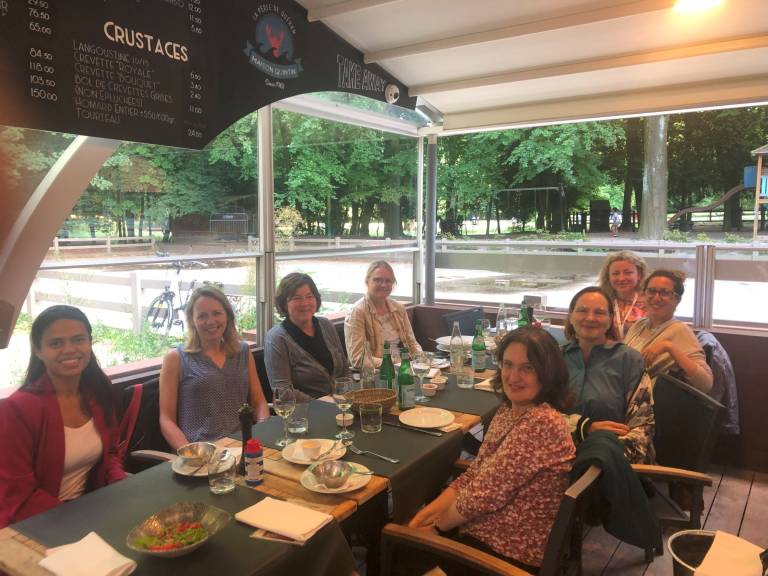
x: 730, y: 555
x: 284, y: 518
x: 485, y: 385
x: 432, y: 372
x: 90, y: 556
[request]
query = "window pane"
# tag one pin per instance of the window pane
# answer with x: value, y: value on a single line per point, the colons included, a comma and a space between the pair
x: 740, y: 275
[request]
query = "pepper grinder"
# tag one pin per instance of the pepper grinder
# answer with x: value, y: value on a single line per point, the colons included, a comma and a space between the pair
x: 245, y: 415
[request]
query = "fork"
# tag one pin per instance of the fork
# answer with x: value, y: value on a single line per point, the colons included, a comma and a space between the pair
x: 357, y: 450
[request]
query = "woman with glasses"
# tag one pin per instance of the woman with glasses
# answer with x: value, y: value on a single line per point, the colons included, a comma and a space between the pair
x: 605, y: 377
x: 204, y: 381
x: 506, y: 502
x: 376, y: 318
x: 668, y: 346
x: 621, y: 278
x: 303, y: 351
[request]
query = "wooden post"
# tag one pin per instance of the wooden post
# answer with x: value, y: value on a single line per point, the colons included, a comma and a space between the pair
x: 138, y: 320
x: 756, y: 215
x: 56, y: 245
x: 109, y: 244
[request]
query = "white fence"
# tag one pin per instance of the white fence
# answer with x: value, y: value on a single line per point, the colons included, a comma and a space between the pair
x: 105, y: 242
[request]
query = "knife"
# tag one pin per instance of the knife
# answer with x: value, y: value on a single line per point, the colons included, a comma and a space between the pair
x: 398, y: 425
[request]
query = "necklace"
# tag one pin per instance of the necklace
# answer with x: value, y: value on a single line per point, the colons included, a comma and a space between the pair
x: 620, y: 321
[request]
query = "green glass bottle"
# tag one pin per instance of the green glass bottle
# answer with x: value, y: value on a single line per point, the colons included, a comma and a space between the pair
x: 523, y: 318
x: 478, y: 348
x: 406, y: 389
x: 387, y: 374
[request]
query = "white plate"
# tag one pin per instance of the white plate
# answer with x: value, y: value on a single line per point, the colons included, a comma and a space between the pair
x: 293, y: 452
x: 448, y: 350
x: 424, y: 417
x: 445, y: 341
x: 179, y: 467
x: 441, y: 363
x: 354, y: 482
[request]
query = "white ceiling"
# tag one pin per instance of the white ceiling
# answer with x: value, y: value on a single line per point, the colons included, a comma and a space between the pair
x: 487, y: 64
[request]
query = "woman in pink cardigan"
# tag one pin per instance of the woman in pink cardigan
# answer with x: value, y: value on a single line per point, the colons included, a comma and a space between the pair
x: 58, y: 432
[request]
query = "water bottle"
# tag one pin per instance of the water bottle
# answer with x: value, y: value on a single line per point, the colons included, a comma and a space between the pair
x: 367, y: 370
x: 478, y: 348
x: 457, y: 349
x: 254, y: 463
x: 387, y: 370
x: 406, y: 389
x: 523, y: 319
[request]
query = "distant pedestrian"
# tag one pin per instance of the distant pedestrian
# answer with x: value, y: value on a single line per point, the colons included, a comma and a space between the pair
x: 615, y: 219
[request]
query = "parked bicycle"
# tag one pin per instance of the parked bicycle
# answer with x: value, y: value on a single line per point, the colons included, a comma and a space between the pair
x: 167, y: 310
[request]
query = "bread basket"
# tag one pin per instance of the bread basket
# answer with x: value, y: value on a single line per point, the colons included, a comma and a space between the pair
x: 383, y: 396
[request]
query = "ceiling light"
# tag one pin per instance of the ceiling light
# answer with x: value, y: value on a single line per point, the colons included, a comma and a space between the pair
x: 691, y: 6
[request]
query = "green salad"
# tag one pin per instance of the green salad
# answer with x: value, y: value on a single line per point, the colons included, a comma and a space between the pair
x: 174, y: 536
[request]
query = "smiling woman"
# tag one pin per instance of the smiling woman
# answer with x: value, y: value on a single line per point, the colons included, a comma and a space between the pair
x: 58, y: 432
x: 205, y: 381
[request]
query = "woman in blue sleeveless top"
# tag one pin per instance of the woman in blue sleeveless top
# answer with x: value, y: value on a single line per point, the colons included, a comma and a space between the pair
x: 204, y: 382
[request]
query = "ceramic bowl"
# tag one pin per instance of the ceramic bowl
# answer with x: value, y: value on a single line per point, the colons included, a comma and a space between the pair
x: 429, y: 389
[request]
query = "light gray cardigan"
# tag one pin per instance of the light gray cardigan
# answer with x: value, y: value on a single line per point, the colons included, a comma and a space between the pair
x: 288, y: 363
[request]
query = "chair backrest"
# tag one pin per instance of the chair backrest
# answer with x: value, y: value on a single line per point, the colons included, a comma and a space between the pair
x: 686, y: 424
x: 261, y: 370
x: 563, y: 552
x: 465, y: 318
x: 140, y: 425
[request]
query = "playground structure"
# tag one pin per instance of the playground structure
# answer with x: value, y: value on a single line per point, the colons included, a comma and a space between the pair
x: 722, y: 200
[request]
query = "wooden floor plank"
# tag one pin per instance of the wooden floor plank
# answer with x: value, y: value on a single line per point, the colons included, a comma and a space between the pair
x: 754, y: 527
x: 662, y: 565
x: 597, y: 549
x: 730, y: 501
x: 627, y: 560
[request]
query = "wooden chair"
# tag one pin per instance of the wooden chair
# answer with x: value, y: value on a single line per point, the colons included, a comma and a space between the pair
x: 686, y: 429
x: 562, y: 554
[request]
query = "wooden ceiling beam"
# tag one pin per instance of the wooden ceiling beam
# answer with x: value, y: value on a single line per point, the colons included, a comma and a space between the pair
x: 598, y: 12
x: 324, y: 12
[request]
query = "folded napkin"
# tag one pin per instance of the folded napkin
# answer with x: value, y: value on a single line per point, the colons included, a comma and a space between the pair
x: 284, y: 518
x: 730, y: 555
x: 450, y: 427
x: 432, y: 372
x: 485, y: 385
x: 90, y: 556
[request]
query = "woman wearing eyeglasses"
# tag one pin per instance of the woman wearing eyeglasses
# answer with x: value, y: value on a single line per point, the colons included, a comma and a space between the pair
x: 605, y: 377
x: 303, y: 351
x: 376, y: 318
x: 668, y: 346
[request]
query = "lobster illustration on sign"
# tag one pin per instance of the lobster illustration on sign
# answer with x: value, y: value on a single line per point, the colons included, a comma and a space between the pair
x: 272, y: 36
x: 275, y: 41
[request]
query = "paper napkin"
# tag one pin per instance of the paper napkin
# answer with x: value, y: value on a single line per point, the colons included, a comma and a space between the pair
x: 485, y: 385
x: 90, y: 556
x: 730, y: 555
x: 284, y: 518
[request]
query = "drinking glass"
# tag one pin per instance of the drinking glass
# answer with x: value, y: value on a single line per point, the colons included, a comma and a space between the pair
x: 421, y: 363
x: 284, y: 403
x: 370, y: 418
x: 342, y: 386
x: 298, y: 423
x: 221, y: 473
x: 465, y: 378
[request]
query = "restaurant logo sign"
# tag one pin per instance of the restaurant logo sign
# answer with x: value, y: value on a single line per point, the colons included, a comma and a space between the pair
x: 274, y: 35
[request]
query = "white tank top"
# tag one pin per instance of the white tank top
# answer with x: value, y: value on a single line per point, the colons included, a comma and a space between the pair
x: 82, y: 449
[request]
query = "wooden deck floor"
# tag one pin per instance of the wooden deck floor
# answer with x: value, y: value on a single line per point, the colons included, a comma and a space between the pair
x: 737, y: 503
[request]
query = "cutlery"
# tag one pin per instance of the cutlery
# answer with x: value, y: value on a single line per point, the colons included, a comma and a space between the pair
x: 330, y: 450
x: 422, y: 430
x: 357, y: 450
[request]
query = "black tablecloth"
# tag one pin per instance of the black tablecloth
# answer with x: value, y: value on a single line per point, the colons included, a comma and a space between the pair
x: 425, y: 461
x: 112, y: 511
x: 467, y: 400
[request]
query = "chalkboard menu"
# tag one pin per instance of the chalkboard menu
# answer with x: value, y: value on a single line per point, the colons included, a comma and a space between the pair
x: 173, y: 72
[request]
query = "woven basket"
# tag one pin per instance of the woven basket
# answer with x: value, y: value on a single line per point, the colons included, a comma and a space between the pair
x: 383, y: 396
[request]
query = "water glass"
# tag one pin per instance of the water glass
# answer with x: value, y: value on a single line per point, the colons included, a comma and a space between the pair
x: 298, y: 422
x: 465, y: 378
x: 545, y: 322
x: 221, y: 473
x: 370, y: 418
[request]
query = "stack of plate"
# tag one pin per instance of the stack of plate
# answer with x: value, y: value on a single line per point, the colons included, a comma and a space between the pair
x: 444, y: 343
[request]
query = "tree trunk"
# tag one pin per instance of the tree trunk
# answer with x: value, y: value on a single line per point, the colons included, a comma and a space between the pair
x: 653, y: 220
x: 633, y: 176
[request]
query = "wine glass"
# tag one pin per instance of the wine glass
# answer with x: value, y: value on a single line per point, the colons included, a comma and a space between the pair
x: 341, y: 387
x: 421, y: 365
x: 284, y: 403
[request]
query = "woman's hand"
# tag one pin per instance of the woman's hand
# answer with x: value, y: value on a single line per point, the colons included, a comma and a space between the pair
x: 616, y: 427
x: 654, y: 350
x: 427, y: 518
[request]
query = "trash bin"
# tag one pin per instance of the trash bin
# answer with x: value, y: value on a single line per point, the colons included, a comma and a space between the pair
x: 688, y: 549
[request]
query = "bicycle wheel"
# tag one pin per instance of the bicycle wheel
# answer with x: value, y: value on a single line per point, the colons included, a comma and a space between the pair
x: 160, y: 314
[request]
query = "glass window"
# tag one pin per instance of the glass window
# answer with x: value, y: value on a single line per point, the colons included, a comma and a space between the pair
x: 740, y: 275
